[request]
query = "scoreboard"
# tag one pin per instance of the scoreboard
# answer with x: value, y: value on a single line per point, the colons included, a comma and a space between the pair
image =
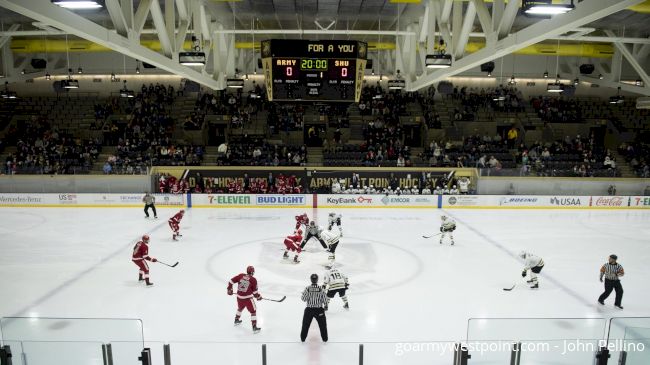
x: 313, y: 70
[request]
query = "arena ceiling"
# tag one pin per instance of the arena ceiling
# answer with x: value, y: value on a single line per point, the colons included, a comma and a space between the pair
x: 401, y: 32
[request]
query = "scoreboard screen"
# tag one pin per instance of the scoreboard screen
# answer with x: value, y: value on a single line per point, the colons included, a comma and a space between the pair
x: 313, y: 70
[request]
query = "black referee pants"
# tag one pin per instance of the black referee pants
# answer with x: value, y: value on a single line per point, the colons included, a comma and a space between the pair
x: 612, y: 285
x: 311, y: 313
x: 146, y: 210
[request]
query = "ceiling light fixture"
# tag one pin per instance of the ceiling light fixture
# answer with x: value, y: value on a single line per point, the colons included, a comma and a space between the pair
x: 78, y: 4
x: 545, y: 7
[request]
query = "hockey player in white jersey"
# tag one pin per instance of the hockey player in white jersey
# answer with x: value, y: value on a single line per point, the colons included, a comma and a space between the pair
x: 334, y: 219
x: 313, y: 231
x: 447, y: 226
x: 463, y: 185
x: 336, y: 282
x: 533, y: 263
x: 454, y: 190
x: 331, y: 238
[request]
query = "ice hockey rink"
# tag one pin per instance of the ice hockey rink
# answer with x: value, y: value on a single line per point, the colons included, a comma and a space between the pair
x: 76, y: 263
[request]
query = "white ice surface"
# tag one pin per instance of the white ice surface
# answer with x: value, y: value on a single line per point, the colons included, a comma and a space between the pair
x: 75, y: 262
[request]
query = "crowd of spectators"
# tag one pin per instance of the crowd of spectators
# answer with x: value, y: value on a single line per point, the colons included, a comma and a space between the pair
x: 42, y: 149
x: 255, y: 151
x: 483, y: 152
x: 557, y: 110
x: 579, y: 156
x: 638, y: 156
x: 285, y: 117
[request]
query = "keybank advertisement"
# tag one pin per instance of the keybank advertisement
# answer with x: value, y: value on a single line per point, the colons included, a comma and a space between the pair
x: 376, y: 201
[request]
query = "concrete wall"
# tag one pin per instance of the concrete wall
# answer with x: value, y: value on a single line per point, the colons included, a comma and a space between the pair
x: 561, y: 186
x: 75, y: 184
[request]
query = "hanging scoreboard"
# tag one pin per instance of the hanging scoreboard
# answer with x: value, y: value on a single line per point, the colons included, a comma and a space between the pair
x: 313, y: 70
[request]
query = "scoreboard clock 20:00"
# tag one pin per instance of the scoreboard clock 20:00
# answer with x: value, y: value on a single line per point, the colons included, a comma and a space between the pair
x: 314, y: 70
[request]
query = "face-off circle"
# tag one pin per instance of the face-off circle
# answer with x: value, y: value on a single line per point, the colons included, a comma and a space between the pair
x: 370, y: 265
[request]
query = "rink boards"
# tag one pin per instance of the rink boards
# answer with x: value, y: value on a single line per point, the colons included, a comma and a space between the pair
x: 331, y: 201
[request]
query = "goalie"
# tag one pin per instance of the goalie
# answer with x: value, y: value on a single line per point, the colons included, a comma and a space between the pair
x: 447, y: 226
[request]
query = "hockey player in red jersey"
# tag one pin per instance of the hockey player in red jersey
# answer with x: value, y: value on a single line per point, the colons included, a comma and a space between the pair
x: 302, y: 220
x: 292, y: 243
x: 174, y: 224
x: 140, y: 258
x: 246, y: 290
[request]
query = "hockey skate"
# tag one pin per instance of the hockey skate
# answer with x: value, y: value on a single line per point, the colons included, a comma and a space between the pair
x: 256, y: 329
x: 237, y: 322
x: 295, y: 260
x: 286, y: 255
x: 452, y: 243
x: 346, y: 306
x: 174, y: 237
x: 149, y: 283
x: 530, y: 281
x: 618, y: 306
x: 535, y: 286
x: 140, y: 278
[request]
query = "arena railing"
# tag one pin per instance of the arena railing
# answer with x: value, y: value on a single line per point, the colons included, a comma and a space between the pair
x: 628, y: 340
x: 40, y: 340
x: 560, y: 341
x: 514, y: 341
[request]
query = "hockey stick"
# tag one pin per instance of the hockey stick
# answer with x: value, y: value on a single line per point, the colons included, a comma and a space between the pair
x: 174, y: 265
x: 509, y: 289
x: 437, y: 234
x: 277, y: 300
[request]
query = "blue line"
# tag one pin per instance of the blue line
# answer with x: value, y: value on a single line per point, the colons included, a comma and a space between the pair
x: 189, y: 200
x: 439, y: 201
x: 496, y: 244
x: 78, y: 276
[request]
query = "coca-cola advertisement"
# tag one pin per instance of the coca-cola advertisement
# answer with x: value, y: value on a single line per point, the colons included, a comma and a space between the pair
x: 607, y: 201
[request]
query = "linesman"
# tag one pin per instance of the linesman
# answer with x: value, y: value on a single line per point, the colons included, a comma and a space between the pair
x: 149, y: 202
x: 612, y: 271
x: 316, y: 297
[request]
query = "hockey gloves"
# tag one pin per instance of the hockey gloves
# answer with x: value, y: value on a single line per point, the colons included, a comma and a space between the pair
x: 524, y: 273
x: 229, y: 291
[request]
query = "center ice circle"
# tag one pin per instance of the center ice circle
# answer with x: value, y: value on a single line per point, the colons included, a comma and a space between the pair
x: 371, y: 266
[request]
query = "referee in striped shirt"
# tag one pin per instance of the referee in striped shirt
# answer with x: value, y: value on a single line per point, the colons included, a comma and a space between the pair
x: 612, y: 271
x: 315, y: 297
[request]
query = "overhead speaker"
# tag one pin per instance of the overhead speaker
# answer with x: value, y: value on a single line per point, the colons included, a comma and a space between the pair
x: 38, y: 63
x: 445, y: 87
x: 587, y: 69
x: 487, y: 67
x: 369, y: 64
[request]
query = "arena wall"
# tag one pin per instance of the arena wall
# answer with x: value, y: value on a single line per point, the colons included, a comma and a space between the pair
x: 328, y: 201
x: 561, y: 186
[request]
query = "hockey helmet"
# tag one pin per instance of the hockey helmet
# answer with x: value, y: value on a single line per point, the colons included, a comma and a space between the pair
x: 182, y: 211
x: 299, y: 231
x: 250, y: 270
x: 523, y: 254
x: 444, y: 217
x: 145, y: 238
x: 332, y: 214
x: 312, y: 224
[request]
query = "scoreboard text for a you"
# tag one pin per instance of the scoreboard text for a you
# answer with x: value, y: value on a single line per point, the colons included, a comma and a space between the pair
x: 313, y: 70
